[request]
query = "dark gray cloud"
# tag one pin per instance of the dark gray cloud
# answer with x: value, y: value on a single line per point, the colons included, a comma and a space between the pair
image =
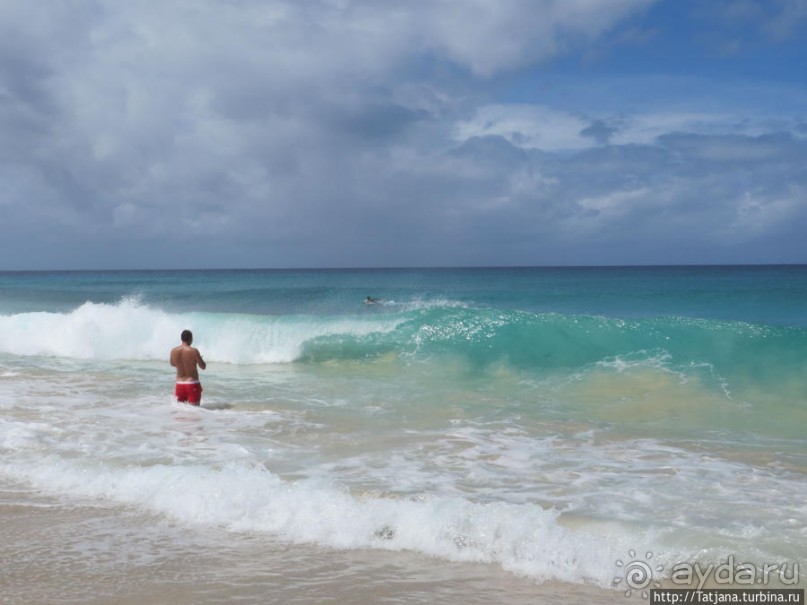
x: 601, y: 131
x: 352, y: 133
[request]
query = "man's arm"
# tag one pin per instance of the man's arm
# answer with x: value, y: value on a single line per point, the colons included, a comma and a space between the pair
x: 200, y: 361
x: 173, y: 358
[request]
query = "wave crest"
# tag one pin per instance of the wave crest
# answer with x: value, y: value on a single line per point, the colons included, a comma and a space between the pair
x: 480, y: 337
x: 134, y: 331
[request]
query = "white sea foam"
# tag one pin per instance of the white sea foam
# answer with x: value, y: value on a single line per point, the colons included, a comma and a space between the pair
x: 134, y: 331
x: 552, y: 507
x: 522, y: 538
x: 658, y: 359
x: 418, y: 304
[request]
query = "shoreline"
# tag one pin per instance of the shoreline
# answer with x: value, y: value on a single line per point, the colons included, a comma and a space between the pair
x: 58, y: 552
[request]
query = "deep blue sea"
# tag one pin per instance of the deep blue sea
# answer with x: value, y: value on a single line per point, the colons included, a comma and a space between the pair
x: 546, y: 421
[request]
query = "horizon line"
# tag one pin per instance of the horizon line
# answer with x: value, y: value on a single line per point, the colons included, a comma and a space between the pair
x: 413, y: 267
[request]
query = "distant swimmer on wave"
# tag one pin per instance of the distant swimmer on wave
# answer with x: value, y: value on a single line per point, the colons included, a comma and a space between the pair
x: 372, y: 301
x: 187, y: 359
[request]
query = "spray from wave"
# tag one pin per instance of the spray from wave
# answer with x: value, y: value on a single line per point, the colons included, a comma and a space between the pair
x: 131, y: 330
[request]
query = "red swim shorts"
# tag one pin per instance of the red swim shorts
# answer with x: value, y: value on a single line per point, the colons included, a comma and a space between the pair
x: 189, y: 392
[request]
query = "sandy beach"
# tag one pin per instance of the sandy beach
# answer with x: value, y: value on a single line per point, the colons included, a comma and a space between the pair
x: 55, y: 553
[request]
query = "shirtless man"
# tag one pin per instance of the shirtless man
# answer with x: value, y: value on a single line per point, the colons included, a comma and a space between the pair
x: 185, y: 359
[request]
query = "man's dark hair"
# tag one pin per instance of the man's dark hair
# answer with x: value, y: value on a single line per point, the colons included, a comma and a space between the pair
x: 186, y: 336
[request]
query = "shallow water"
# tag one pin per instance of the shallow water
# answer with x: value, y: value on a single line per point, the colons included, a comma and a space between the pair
x: 58, y: 551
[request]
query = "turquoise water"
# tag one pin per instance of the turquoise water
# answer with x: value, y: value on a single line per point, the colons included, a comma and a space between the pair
x: 764, y: 294
x: 543, y: 420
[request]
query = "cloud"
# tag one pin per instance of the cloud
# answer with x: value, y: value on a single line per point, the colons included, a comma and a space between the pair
x: 668, y: 199
x: 348, y: 132
x: 549, y: 129
x: 734, y: 26
x: 490, y: 35
x: 777, y: 19
x: 527, y: 126
x: 601, y: 130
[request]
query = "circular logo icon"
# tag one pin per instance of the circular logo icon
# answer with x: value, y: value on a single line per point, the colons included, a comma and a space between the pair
x: 637, y: 574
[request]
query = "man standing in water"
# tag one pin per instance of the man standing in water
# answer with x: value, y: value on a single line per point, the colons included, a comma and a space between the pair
x: 185, y: 359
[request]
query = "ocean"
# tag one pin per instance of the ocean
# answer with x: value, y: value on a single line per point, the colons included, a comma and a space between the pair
x: 504, y: 435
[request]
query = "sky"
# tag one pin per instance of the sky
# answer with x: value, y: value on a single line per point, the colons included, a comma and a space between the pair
x: 368, y: 133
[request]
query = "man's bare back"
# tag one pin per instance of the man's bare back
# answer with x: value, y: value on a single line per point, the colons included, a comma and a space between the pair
x: 187, y: 360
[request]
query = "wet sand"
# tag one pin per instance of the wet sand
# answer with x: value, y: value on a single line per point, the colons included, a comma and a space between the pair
x: 58, y: 552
